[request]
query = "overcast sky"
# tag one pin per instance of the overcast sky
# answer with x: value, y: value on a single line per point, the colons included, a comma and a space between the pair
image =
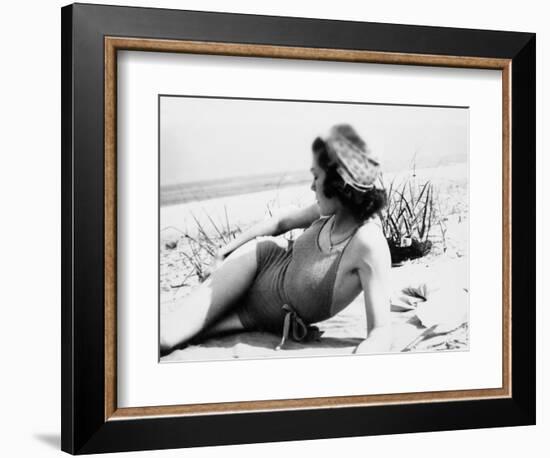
x: 205, y: 139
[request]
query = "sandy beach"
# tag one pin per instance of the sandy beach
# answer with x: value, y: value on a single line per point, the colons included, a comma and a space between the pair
x: 439, y: 323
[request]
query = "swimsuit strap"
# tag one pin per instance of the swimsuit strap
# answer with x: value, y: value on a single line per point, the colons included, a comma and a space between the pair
x: 319, y: 233
x: 348, y: 238
x: 332, y: 245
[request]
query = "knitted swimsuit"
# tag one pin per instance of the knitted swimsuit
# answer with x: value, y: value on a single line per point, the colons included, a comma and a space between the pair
x: 300, y: 277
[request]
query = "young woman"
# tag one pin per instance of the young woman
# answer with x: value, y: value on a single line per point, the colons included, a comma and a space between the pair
x: 263, y: 283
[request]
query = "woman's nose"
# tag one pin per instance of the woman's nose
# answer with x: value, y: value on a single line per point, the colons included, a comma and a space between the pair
x: 312, y: 187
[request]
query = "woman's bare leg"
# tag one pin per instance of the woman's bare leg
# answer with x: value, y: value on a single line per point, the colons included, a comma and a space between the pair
x: 211, y: 299
x: 228, y: 324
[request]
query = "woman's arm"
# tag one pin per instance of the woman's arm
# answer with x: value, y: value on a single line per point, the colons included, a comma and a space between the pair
x: 374, y: 275
x: 278, y: 224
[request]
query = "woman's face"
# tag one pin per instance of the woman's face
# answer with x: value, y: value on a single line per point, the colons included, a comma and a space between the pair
x: 327, y: 206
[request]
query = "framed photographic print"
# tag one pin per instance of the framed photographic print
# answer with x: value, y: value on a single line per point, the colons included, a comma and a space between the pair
x: 270, y: 222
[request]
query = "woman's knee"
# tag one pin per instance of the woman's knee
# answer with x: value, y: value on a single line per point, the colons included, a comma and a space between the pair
x: 243, y: 259
x: 247, y: 249
x: 239, y: 266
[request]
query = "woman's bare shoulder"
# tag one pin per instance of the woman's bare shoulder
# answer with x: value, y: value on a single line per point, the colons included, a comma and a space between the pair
x: 370, y: 245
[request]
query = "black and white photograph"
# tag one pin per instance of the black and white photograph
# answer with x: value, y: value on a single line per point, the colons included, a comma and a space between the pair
x: 300, y: 228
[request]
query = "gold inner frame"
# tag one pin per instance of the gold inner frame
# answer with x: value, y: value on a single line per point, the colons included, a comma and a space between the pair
x: 112, y: 45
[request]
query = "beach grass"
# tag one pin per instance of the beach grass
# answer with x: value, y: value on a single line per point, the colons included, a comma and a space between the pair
x: 410, y: 217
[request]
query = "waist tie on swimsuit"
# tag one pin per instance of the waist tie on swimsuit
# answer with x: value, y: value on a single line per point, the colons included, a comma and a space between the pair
x: 296, y: 327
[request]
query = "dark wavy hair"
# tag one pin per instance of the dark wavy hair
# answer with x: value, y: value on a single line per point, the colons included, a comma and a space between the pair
x: 361, y: 204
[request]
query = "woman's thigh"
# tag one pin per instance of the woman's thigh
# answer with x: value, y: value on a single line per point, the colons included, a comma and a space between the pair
x: 212, y: 299
x: 231, y: 280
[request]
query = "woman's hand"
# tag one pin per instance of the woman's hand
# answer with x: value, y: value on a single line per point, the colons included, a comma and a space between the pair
x: 378, y: 341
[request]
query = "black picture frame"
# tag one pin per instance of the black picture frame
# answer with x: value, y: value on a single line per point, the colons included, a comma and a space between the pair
x: 85, y: 428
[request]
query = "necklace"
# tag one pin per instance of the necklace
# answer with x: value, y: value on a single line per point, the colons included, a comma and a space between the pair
x: 331, y: 244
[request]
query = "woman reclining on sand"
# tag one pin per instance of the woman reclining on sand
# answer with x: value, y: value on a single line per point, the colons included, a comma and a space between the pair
x: 268, y: 284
